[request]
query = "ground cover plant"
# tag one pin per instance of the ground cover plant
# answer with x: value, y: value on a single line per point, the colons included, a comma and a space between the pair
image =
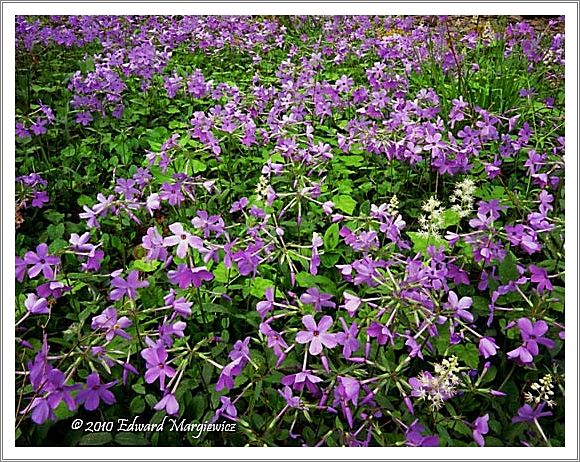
x: 325, y: 230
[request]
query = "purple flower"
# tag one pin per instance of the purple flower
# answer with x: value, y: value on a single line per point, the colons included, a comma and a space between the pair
x: 487, y: 347
x: 41, y: 261
x: 21, y: 267
x: 301, y: 379
x: 348, y: 339
x: 182, y: 239
x: 264, y: 307
x: 540, y: 276
x: 275, y: 341
x: 291, y: 401
x: 127, y: 287
x: 480, y: 428
x: 316, y: 335
x: 317, y: 299
x: 153, y: 242
x: 239, y: 205
x: 94, y: 392
x: 181, y: 306
x: 528, y: 414
x: 157, y: 368
x: 460, y: 306
x: 532, y: 334
x: 414, y: 437
x: 351, y: 303
x: 227, y: 375
x: 108, y: 321
x: 228, y: 409
x: 21, y: 131
x: 169, y: 403
x: 39, y: 198
x: 36, y: 305
x: 240, y: 350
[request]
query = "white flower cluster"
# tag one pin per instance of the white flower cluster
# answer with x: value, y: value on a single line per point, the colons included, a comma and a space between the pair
x: 393, y: 206
x: 462, y: 197
x: 262, y: 187
x: 432, y: 221
x: 543, y: 390
x: 442, y: 385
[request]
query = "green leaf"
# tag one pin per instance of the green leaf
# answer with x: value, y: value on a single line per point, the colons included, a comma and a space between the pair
x: 220, y: 272
x: 137, y: 405
x: 352, y: 160
x: 331, y: 237
x: 138, y: 388
x: 96, y: 439
x: 450, y: 218
x: 197, y: 407
x: 259, y: 285
x: 130, y: 439
x: 421, y: 242
x: 469, y: 354
x: 145, y: 265
x: 507, y: 269
x: 198, y: 166
x: 55, y: 231
x: 345, y: 203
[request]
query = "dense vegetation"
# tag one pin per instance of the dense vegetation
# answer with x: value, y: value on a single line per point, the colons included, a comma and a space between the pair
x: 326, y: 230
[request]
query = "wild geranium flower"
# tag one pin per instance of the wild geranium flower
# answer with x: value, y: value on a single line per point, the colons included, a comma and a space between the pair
x: 480, y: 428
x: 183, y: 240
x: 317, y: 299
x: 460, y: 306
x: 108, y: 321
x: 157, y: 367
x: 127, y: 287
x: 96, y: 391
x: 316, y: 335
x: 41, y: 261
